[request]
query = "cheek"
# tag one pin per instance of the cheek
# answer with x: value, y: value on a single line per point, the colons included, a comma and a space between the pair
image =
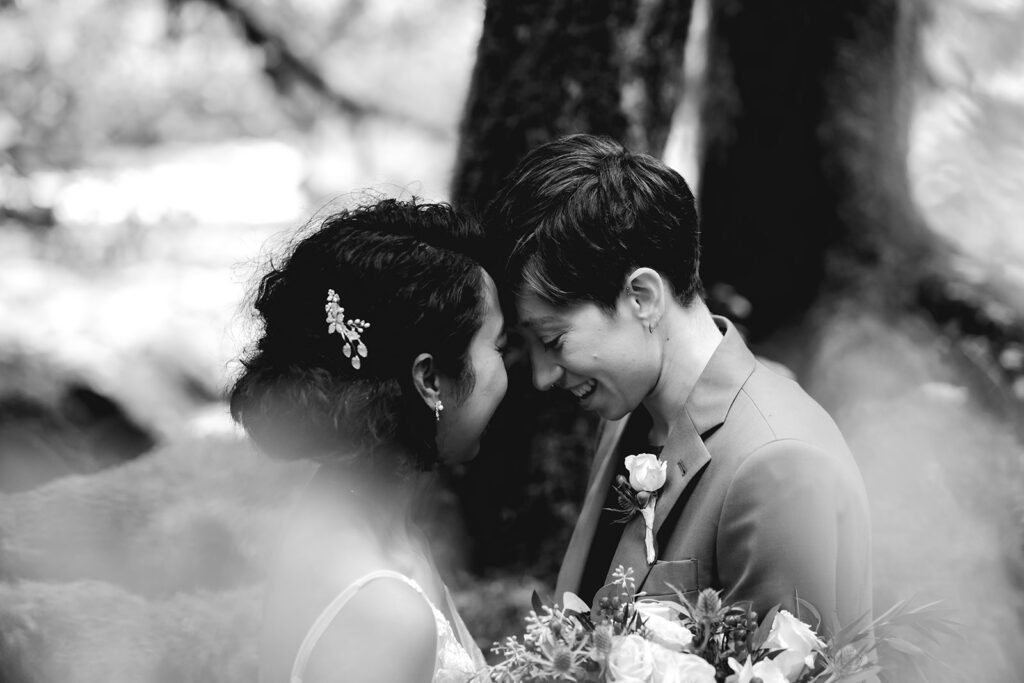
x: 491, y: 384
x: 632, y: 370
x: 610, y: 348
x: 497, y: 383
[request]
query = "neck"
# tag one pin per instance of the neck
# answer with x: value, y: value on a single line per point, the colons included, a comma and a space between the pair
x: 390, y: 503
x: 689, y: 337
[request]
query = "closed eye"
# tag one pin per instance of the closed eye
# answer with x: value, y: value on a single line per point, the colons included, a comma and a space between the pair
x: 554, y: 344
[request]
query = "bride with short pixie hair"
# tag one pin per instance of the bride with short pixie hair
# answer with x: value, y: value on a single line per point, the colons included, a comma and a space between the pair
x: 380, y: 356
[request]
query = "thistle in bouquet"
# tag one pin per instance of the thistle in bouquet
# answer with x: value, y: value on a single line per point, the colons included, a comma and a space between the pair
x: 568, y: 642
x: 720, y: 631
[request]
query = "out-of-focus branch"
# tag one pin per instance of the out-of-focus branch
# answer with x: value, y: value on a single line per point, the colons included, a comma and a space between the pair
x: 284, y: 66
x: 989, y: 331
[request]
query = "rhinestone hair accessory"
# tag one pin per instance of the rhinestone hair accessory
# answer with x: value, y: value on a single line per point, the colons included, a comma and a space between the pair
x: 351, y: 330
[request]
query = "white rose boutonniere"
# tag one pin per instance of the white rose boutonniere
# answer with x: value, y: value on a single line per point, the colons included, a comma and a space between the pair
x: 646, y: 472
x: 638, y: 493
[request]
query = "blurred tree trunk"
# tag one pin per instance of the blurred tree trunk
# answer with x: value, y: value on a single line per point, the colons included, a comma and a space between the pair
x: 804, y: 182
x: 547, y: 68
x: 804, y: 147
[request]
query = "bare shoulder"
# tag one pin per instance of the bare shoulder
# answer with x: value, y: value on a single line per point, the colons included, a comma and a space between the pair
x: 385, y: 632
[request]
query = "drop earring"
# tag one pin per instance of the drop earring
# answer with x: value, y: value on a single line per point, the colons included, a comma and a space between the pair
x: 438, y: 407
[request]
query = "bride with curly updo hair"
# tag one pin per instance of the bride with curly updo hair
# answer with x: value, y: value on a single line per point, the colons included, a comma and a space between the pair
x: 380, y: 355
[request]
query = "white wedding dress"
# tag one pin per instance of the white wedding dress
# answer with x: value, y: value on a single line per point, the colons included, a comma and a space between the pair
x: 457, y: 660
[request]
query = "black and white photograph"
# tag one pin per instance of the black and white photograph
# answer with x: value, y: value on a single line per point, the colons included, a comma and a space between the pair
x: 501, y: 341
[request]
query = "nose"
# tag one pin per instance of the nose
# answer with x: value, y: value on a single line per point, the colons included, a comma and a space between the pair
x: 545, y: 373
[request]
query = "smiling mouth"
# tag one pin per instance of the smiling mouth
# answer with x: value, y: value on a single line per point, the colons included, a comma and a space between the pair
x: 583, y: 391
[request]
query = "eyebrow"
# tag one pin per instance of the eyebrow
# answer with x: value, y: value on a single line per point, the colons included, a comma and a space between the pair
x: 543, y: 320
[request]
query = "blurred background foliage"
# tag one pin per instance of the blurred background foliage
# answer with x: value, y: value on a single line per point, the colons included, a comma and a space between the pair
x: 154, y: 154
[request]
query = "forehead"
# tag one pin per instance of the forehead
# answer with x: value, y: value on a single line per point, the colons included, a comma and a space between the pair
x: 533, y: 312
x: 536, y: 314
x: 491, y: 309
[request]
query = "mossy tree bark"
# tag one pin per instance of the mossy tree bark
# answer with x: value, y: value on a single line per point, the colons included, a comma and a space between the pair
x: 547, y: 68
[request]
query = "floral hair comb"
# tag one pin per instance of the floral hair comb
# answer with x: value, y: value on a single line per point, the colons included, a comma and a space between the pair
x: 351, y: 330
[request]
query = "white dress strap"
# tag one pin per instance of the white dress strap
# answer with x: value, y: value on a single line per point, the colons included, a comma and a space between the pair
x: 319, y: 627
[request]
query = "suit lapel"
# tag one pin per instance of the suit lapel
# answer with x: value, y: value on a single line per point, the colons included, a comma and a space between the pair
x: 705, y: 409
x: 571, y: 573
x: 686, y: 455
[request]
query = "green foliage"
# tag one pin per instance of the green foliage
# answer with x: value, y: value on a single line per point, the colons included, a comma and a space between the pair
x: 76, y: 77
x: 967, y: 146
x: 79, y: 77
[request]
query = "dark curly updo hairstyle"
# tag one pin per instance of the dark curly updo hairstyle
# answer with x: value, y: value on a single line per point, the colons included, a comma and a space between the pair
x: 405, y: 267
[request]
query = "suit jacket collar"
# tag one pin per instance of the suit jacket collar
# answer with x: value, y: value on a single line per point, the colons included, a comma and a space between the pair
x: 720, y: 382
x: 704, y: 410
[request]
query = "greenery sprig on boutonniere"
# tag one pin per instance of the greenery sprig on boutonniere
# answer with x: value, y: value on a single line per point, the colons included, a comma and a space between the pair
x: 639, y: 493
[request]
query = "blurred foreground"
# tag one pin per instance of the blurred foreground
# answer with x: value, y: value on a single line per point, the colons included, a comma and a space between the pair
x: 116, y: 575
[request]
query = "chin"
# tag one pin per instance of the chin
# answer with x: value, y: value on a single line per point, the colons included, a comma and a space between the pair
x: 460, y: 456
x: 613, y: 413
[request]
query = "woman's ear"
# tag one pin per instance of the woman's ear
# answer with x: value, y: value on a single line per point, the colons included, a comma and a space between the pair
x: 426, y: 379
x: 647, y: 292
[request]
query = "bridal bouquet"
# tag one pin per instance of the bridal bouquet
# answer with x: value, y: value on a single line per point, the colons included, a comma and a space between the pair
x: 629, y: 639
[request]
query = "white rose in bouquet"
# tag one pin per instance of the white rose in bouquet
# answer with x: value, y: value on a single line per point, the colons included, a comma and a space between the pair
x: 663, y: 623
x: 798, y: 642
x: 646, y: 472
x: 631, y: 660
x: 676, y: 667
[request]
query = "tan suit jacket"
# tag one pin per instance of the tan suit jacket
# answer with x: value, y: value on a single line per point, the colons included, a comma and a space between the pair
x: 763, y: 500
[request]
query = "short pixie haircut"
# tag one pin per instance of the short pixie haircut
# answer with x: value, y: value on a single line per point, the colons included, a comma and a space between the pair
x: 577, y: 215
x: 404, y: 267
